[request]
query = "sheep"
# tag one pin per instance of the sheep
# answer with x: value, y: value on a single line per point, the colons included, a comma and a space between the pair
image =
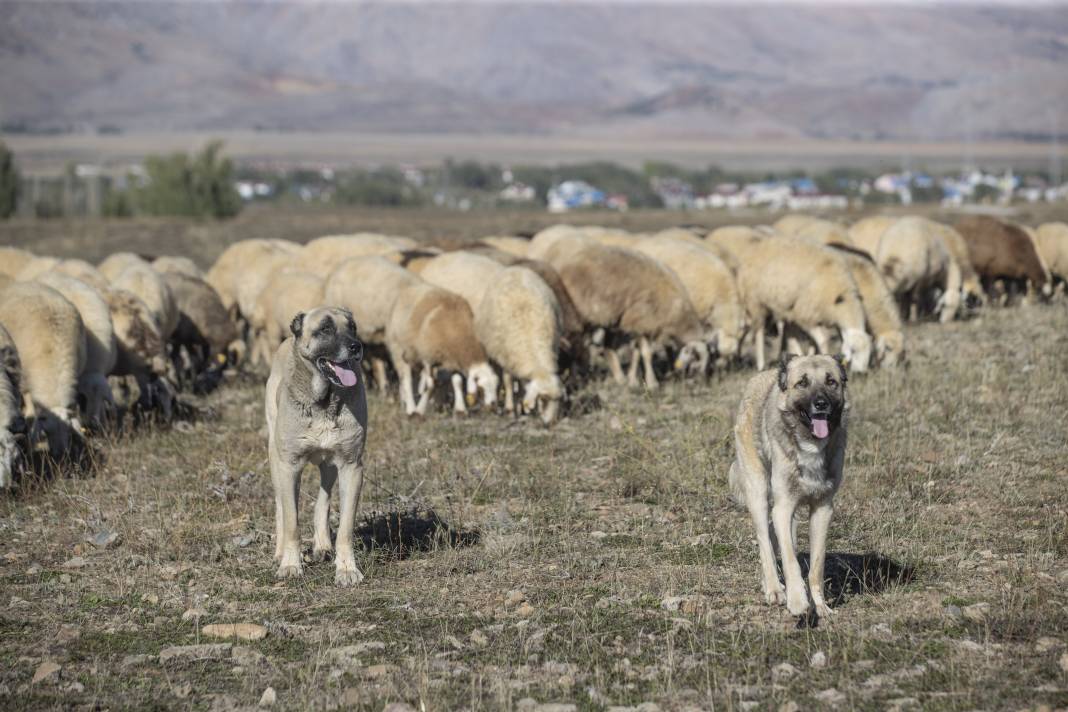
x: 368, y: 287
x: 36, y: 267
x: 116, y: 263
x: 914, y: 259
x: 552, y: 242
x: 289, y: 292
x: 790, y: 225
x: 1002, y: 251
x: 796, y: 281
x: 148, y: 284
x: 244, y: 268
x: 80, y: 269
x: 880, y: 308
x: 864, y: 234
x: 518, y: 323
x: 12, y: 425
x: 13, y: 259
x: 679, y: 234
x: 1053, y: 247
x: 623, y: 290
x: 824, y: 232
x: 168, y: 264
x: 322, y: 255
x: 733, y: 242
x: 205, y: 332
x: 434, y: 327
x: 101, y: 351
x: 413, y: 260
x: 512, y: 245
x: 612, y: 238
x: 51, y: 342
x: 462, y: 273
x: 710, y: 286
x: 972, y: 294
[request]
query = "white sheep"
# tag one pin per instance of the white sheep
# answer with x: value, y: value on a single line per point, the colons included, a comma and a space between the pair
x: 11, y: 422
x: 117, y: 262
x: 13, y: 259
x: 50, y: 338
x: 289, y: 292
x: 914, y: 259
x: 323, y: 254
x: 149, y: 286
x: 880, y: 308
x: 462, y: 273
x: 169, y: 264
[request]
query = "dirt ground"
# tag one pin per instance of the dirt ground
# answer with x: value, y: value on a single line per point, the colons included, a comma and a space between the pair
x: 596, y: 564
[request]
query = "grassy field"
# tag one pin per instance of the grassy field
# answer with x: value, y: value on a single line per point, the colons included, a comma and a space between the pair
x: 596, y: 564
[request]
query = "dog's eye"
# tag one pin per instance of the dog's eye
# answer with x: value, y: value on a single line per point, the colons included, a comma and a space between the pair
x: 803, y: 383
x: 831, y: 382
x: 326, y: 328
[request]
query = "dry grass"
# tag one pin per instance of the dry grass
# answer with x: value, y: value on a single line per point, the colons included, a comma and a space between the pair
x: 956, y: 470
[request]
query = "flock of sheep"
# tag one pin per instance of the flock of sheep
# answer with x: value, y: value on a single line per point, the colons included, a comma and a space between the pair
x: 526, y: 319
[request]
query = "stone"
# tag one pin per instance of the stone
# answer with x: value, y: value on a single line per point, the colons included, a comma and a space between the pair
x: 514, y: 598
x: 193, y: 653
x: 977, y: 612
x: 783, y: 672
x: 818, y: 659
x: 246, y: 657
x: 1046, y: 644
x: 103, y: 539
x: 75, y: 562
x: 244, y: 631
x: 136, y: 660
x: 525, y: 610
x: 47, y: 671
x: 193, y: 614
x: 830, y: 696
x: 269, y: 697
x: 789, y: 706
x: 479, y: 639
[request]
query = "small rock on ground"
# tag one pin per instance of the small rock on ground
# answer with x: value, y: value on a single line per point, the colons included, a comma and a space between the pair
x: 244, y: 631
x: 268, y: 698
x: 191, y: 653
x: 830, y: 696
x: 47, y: 671
x: 818, y: 659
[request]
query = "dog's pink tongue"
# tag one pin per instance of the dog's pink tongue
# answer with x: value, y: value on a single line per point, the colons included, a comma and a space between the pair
x: 347, y: 377
x: 819, y: 428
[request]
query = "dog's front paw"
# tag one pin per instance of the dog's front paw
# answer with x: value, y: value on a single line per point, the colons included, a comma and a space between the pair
x: 797, y: 603
x: 289, y: 571
x: 775, y: 595
x: 320, y: 555
x: 347, y: 577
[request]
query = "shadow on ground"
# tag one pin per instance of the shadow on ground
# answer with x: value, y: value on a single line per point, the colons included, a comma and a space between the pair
x: 397, y: 535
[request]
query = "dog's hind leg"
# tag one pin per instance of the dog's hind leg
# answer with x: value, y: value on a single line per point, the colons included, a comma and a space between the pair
x: 321, y: 546
x: 819, y: 523
x: 351, y: 482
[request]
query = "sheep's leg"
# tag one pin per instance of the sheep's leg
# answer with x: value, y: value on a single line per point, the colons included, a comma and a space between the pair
x: 758, y: 338
x: 404, y: 375
x: 458, y: 405
x: 509, y: 395
x: 781, y: 326
x: 426, y: 384
x: 632, y: 367
x: 614, y: 366
x: 378, y: 367
x: 822, y: 339
x: 647, y: 357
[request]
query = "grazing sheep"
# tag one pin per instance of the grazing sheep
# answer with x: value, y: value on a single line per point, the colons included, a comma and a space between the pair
x: 790, y: 225
x: 289, y: 292
x: 462, y: 273
x: 733, y: 242
x: 50, y: 338
x: 12, y: 425
x: 13, y: 259
x: 880, y: 308
x: 148, y: 284
x: 244, y: 268
x: 798, y: 282
x: 36, y: 267
x: 141, y: 350
x: 168, y: 264
x: 368, y: 287
x: 512, y: 245
x: 612, y: 238
x: 1003, y: 251
x: 679, y: 234
x: 80, y: 269
x: 710, y: 286
x: 553, y: 242
x: 518, y: 323
x: 914, y: 259
x: 101, y: 350
x: 323, y: 254
x: 864, y: 234
x: 413, y: 260
x: 204, y: 332
x: 433, y: 327
x: 1053, y: 247
x: 116, y: 263
x: 625, y: 291
x: 972, y: 294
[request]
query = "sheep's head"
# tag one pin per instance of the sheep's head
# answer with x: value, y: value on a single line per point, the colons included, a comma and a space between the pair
x: 692, y: 358
x: 482, y: 377
x: 544, y: 394
x: 890, y: 348
x: 856, y: 349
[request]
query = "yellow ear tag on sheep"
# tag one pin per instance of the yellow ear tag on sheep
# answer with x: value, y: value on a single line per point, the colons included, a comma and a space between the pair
x: 678, y: 364
x: 221, y: 358
x: 470, y: 398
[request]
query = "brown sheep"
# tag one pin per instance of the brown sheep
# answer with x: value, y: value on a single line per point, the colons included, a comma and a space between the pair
x: 1003, y: 251
x: 205, y: 331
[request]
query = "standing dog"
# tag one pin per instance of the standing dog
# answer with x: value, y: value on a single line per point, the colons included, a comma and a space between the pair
x: 790, y: 440
x: 317, y: 412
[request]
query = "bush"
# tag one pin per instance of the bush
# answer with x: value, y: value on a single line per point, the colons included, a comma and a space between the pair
x: 9, y: 182
x: 201, y: 186
x: 381, y: 187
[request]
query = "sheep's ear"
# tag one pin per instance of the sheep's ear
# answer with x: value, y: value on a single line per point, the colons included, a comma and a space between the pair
x: 783, y: 364
x: 842, y: 373
x: 297, y: 325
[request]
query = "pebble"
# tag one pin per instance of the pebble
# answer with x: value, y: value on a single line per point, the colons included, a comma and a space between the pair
x: 193, y: 614
x: 246, y: 657
x: 135, y: 660
x: 47, y: 671
x: 269, y: 697
x: 789, y: 706
x: 514, y: 598
x: 881, y: 630
x: 103, y: 538
x: 818, y: 659
x: 525, y: 611
x: 783, y: 672
x: 244, y: 631
x: 830, y: 696
x: 479, y: 639
x: 75, y: 562
x: 1046, y: 644
x: 191, y: 653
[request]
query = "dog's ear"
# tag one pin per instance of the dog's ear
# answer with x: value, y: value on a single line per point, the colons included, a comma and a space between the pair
x: 842, y: 373
x: 783, y: 364
x: 297, y: 325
